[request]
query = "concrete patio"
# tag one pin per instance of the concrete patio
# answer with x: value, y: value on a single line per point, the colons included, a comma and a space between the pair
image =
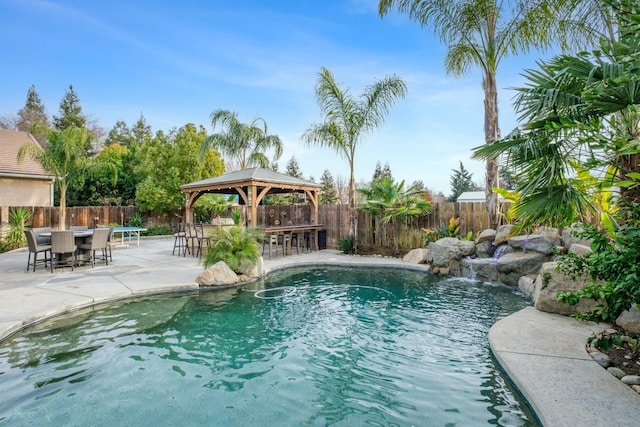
x: 543, y: 354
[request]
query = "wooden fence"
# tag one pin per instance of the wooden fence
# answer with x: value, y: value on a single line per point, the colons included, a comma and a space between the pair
x: 473, y: 218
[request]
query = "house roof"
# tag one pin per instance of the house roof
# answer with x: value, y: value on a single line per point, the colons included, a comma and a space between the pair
x: 474, y: 196
x: 10, y: 143
x: 251, y: 175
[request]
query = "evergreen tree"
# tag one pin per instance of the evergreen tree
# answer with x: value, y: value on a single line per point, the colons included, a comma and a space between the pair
x: 328, y: 194
x: 381, y: 172
x: 461, y: 181
x: 70, y: 112
x: 120, y: 134
x: 293, y: 169
x: 32, y: 117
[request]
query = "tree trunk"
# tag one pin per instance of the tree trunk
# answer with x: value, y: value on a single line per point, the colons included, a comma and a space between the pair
x: 491, y: 134
x: 353, y: 215
x: 62, y: 221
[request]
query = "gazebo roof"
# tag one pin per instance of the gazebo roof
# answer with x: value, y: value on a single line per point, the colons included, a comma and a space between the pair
x: 246, y: 177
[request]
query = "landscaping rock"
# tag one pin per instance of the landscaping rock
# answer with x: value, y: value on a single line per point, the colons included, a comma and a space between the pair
x: 616, y: 372
x: 488, y: 235
x: 219, y: 274
x: 532, y: 242
x: 579, y: 249
x: 480, y: 269
x: 550, y: 233
x: 631, y: 379
x: 568, y: 238
x: 630, y: 320
x: 602, y: 359
x: 549, y: 283
x: 502, y: 250
x: 526, y: 285
x: 251, y: 270
x: 502, y: 234
x: 416, y: 256
x: 485, y: 249
x: 517, y: 264
x: 447, y: 252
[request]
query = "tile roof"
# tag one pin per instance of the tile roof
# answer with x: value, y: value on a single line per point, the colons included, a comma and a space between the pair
x: 10, y: 143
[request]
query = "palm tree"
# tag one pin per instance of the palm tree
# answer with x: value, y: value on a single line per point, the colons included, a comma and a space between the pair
x: 348, y: 121
x: 244, y: 144
x: 64, y: 158
x: 482, y: 33
x: 582, y: 129
x: 390, y: 202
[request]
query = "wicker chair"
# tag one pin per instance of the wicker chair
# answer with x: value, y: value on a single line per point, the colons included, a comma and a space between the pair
x: 99, y: 242
x: 63, y: 249
x: 35, y: 248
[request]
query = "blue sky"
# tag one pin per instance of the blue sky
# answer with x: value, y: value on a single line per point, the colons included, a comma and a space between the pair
x: 176, y: 62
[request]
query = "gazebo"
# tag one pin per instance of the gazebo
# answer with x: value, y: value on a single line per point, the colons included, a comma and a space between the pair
x: 251, y: 185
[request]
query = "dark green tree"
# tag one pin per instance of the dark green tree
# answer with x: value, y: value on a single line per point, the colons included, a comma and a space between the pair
x: 461, y: 181
x: 169, y: 161
x: 293, y: 169
x: 32, y: 117
x: 381, y: 172
x: 71, y: 114
x: 328, y: 194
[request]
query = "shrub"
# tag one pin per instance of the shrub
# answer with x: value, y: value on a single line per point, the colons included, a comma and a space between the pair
x: 613, y: 268
x: 159, y: 230
x: 18, y: 221
x: 234, y: 246
x: 347, y: 245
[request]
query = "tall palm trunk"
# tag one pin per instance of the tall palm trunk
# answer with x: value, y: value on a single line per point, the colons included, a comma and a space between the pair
x: 62, y: 220
x: 491, y: 134
x: 353, y: 215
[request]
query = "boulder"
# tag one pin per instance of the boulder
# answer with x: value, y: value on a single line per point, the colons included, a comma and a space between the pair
x: 502, y: 234
x: 251, y: 270
x: 511, y: 267
x: 447, y: 252
x: 485, y: 249
x: 416, y: 256
x: 532, y: 242
x: 550, y: 233
x: 579, y: 249
x: 488, y: 235
x: 502, y: 251
x: 219, y: 274
x: 550, y: 283
x: 630, y: 320
x: 526, y: 285
x: 483, y: 269
x: 569, y: 236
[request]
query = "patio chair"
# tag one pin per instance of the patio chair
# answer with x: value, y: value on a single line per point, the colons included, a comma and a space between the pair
x: 180, y: 237
x: 42, y: 240
x: 35, y: 248
x: 109, y: 242
x: 63, y: 249
x: 98, y: 242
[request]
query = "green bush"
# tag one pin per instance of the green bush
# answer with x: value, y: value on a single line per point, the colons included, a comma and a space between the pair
x: 613, y: 268
x: 18, y: 222
x: 158, y: 230
x: 347, y: 245
x: 235, y: 246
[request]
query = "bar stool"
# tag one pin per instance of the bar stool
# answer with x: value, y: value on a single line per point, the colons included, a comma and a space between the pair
x: 271, y: 240
x: 310, y: 238
x: 285, y: 238
x: 180, y: 238
x: 300, y: 241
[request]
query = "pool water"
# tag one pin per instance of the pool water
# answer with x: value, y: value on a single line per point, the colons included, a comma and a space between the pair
x: 322, y: 346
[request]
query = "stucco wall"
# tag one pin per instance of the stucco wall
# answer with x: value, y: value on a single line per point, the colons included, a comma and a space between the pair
x: 25, y: 192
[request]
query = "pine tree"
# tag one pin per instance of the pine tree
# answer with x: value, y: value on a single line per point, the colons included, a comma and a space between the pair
x: 461, y: 181
x: 293, y: 169
x: 381, y: 172
x: 32, y: 117
x: 70, y: 112
x: 328, y: 194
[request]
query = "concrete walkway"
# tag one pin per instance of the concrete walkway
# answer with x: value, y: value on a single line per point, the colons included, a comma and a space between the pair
x: 543, y: 354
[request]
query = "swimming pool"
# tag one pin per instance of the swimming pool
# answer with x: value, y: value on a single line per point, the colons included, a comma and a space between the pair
x: 322, y: 346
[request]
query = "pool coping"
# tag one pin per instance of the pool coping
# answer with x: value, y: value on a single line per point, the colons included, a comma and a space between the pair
x: 543, y: 354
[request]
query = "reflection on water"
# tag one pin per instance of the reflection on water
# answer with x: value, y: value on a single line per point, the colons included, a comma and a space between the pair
x: 316, y: 347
